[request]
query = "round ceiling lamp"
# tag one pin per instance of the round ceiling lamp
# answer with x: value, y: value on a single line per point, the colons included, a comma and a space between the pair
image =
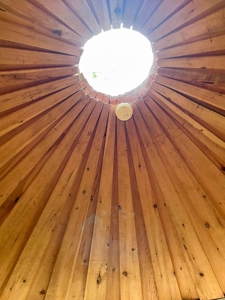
x: 124, y: 111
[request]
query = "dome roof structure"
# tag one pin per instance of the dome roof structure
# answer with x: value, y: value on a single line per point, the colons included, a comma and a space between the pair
x: 95, y: 208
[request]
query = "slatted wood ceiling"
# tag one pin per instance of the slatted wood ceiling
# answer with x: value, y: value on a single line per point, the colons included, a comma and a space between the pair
x: 95, y: 208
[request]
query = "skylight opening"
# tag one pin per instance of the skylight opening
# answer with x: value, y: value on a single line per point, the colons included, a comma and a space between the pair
x: 116, y: 61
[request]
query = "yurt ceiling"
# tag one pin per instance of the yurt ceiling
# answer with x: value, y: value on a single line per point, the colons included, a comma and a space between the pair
x: 96, y: 208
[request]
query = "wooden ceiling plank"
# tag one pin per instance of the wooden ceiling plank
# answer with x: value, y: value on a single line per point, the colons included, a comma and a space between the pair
x: 214, y: 46
x: 11, y: 101
x: 43, y: 274
x: 215, y: 257
x: 85, y: 14
x: 208, y: 118
x: 62, y: 13
x: 47, y: 217
x: 146, y: 11
x: 106, y: 99
x: 99, y: 256
x: 171, y: 273
x: 212, y: 80
x: 210, y: 144
x: 101, y: 10
x: 206, y: 204
x: 207, y: 174
x: 165, y: 9
x: 30, y: 135
x: 99, y: 96
x: 178, y: 174
x: 208, y: 27
x: 84, y: 84
x: 41, y: 278
x: 113, y: 277
x: 202, y: 62
x: 116, y: 13
x: 193, y: 11
x: 187, y: 238
x: 16, y: 34
x: 130, y: 280
x: 16, y: 80
x: 19, y: 119
x: 131, y: 9
x: 212, y: 100
x: 68, y: 253
x: 26, y: 13
x: 149, y: 289
x: 35, y: 155
x: 82, y: 264
x: 93, y: 94
x: 167, y: 285
x: 14, y: 59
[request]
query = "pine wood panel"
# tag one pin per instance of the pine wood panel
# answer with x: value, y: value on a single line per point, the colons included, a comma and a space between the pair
x: 167, y: 285
x: 212, y: 46
x: 19, y: 35
x: 131, y: 9
x: 85, y: 14
x: 165, y: 9
x: 101, y: 11
x: 14, y: 59
x: 30, y: 12
x: 211, y: 25
x: 59, y: 10
x: 116, y: 13
x: 213, y: 79
x: 213, y: 100
x: 71, y: 241
x: 176, y: 211
x: 16, y: 80
x: 148, y: 7
x: 130, y: 281
x: 208, y: 118
x: 95, y: 208
x: 206, y: 62
x: 191, y: 12
x: 11, y: 101
x: 98, y: 261
x: 211, y: 145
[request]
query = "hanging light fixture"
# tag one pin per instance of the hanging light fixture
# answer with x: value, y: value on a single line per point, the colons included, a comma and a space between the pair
x: 124, y: 111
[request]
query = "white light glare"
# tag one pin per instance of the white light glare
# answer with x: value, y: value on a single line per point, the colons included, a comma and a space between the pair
x: 116, y: 61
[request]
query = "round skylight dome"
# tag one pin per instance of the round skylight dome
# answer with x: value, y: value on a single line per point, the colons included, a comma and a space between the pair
x: 116, y: 61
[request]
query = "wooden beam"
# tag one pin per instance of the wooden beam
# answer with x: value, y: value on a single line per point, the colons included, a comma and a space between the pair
x: 14, y: 34
x: 194, y: 10
x: 208, y: 118
x: 68, y: 252
x: 28, y: 15
x: 130, y: 280
x: 214, y: 46
x: 14, y: 100
x: 165, y: 9
x: 43, y: 139
x: 15, y: 80
x: 210, y: 144
x: 61, y: 12
x: 207, y: 98
x: 207, y: 27
x: 96, y: 287
x: 14, y: 59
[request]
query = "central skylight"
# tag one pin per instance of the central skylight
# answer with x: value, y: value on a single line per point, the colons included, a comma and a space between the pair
x: 116, y: 61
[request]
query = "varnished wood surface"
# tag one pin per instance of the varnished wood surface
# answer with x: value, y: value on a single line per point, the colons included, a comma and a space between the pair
x: 95, y: 208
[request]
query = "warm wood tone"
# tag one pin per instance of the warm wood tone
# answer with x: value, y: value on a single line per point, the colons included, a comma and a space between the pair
x: 95, y: 208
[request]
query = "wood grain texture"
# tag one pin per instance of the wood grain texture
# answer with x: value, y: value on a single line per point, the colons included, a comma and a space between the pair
x: 95, y: 208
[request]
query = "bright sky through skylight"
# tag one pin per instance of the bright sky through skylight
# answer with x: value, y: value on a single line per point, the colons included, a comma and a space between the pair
x: 116, y: 61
